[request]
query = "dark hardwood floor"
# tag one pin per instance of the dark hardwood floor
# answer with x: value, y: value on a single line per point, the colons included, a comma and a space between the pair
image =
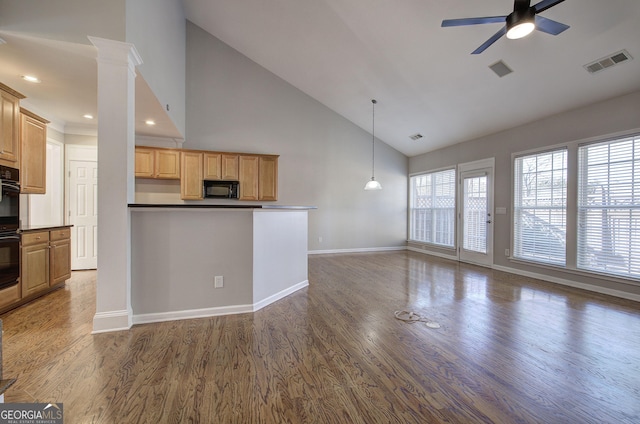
x: 509, y: 350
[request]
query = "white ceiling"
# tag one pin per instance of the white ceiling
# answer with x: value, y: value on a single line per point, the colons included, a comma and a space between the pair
x: 344, y: 53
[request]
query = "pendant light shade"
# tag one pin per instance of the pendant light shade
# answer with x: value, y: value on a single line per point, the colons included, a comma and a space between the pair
x: 373, y: 184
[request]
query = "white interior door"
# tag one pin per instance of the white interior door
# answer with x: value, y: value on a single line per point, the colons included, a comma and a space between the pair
x: 476, y: 218
x: 83, y: 213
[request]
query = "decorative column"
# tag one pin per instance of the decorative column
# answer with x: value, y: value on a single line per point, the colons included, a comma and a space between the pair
x: 116, y: 142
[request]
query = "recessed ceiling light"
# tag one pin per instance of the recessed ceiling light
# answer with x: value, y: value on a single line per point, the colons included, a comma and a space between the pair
x: 150, y: 122
x: 31, y: 78
x: 88, y: 116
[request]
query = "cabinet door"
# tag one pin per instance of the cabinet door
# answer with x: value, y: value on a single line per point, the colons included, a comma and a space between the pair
x: 213, y: 166
x: 248, y: 167
x: 230, y: 167
x: 35, y: 268
x: 60, y: 265
x: 144, y: 162
x: 191, y: 176
x: 9, y: 127
x: 33, y: 157
x: 167, y: 164
x: 268, y: 178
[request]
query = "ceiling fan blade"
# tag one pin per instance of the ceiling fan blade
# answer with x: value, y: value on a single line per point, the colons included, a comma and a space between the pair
x: 550, y: 26
x: 545, y: 4
x: 490, y: 41
x: 474, y: 21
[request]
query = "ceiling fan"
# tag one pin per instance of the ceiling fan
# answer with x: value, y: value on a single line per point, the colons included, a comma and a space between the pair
x: 518, y: 23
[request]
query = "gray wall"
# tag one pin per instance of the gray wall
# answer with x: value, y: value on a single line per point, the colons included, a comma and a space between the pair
x: 157, y: 29
x: 68, y: 20
x: 233, y: 104
x: 608, y: 117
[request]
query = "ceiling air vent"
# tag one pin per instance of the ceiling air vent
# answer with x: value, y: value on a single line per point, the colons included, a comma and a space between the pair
x: 415, y: 137
x: 607, y: 62
x: 500, y: 68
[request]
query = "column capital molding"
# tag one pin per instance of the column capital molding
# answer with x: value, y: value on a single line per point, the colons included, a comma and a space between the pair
x: 116, y: 52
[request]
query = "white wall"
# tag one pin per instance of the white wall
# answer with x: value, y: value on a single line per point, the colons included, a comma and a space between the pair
x: 157, y: 29
x: 48, y: 208
x: 600, y: 119
x: 233, y: 104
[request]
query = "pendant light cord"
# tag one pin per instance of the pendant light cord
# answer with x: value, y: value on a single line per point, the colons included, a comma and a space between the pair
x: 373, y: 138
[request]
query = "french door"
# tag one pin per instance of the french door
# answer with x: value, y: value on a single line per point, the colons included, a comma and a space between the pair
x: 475, y: 218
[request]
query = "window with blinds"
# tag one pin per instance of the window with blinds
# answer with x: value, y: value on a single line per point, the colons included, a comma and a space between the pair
x: 433, y: 208
x: 539, y: 207
x: 609, y: 207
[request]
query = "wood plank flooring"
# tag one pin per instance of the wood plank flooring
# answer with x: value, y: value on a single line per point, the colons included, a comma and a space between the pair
x: 509, y: 350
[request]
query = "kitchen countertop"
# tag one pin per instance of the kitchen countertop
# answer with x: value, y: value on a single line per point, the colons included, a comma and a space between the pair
x: 30, y: 228
x: 212, y: 206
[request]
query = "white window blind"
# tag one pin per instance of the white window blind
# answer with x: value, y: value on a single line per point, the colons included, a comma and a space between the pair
x: 539, y: 207
x: 432, y: 205
x: 609, y: 207
x: 475, y: 214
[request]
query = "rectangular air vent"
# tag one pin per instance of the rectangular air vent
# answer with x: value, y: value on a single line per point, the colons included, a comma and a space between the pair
x: 500, y: 68
x: 415, y: 137
x: 608, y: 61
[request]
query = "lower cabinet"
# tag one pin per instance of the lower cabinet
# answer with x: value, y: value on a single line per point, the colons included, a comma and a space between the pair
x: 59, y: 255
x: 46, y: 260
x: 35, y: 263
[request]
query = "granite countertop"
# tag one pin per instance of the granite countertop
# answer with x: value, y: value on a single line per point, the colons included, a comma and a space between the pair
x: 213, y: 206
x: 29, y: 228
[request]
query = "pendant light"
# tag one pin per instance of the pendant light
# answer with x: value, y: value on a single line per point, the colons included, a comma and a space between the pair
x: 373, y: 184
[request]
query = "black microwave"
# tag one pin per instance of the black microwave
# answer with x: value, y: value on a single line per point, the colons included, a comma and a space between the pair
x: 221, y: 189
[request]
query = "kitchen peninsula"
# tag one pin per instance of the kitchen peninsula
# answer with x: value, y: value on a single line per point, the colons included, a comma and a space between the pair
x: 198, y: 260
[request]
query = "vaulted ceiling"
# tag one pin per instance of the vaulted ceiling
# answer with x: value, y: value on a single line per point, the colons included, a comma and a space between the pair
x: 344, y: 53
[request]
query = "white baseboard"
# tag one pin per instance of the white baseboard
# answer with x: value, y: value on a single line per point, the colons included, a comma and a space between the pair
x: 104, y: 322
x: 432, y: 253
x: 570, y: 283
x: 191, y: 314
x: 284, y: 293
x: 216, y: 311
x: 359, y: 250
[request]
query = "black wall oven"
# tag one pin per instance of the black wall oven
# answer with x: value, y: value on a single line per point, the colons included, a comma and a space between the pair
x: 9, y: 223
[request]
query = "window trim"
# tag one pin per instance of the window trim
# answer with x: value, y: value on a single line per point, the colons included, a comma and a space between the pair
x: 572, y: 200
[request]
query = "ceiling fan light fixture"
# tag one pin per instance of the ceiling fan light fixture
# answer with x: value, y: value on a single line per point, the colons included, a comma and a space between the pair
x: 520, y: 24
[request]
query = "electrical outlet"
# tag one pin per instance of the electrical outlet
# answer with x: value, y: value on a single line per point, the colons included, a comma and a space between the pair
x: 218, y: 282
x: 320, y: 239
x: 506, y: 252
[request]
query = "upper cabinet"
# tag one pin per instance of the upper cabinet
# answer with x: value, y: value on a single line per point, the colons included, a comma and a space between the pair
x: 191, y: 179
x: 33, y: 153
x: 248, y: 172
x: 257, y: 174
x: 9, y: 126
x: 268, y: 178
x: 157, y: 163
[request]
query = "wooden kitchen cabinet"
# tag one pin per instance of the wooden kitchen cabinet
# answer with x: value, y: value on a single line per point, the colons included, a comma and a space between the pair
x: 230, y: 167
x: 248, y: 166
x: 34, y: 273
x: 220, y: 166
x: 157, y: 163
x: 212, y: 166
x: 268, y: 178
x: 59, y: 255
x: 258, y: 177
x: 33, y: 153
x: 191, y: 175
x: 9, y: 126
